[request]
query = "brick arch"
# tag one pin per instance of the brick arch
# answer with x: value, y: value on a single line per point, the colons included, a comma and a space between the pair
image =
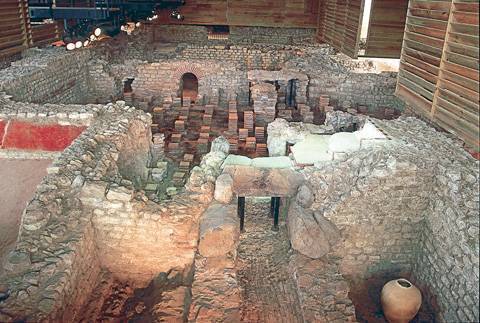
x: 189, y: 68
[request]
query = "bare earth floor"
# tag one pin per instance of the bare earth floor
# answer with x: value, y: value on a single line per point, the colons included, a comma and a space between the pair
x: 18, y: 182
x: 269, y: 292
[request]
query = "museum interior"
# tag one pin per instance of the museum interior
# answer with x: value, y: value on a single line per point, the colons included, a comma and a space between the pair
x: 239, y: 161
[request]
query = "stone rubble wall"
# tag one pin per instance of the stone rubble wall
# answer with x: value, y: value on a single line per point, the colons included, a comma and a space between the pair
x: 346, y: 82
x: 272, y: 35
x: 408, y: 206
x: 237, y: 35
x: 54, y: 265
x: 86, y: 217
x: 161, y: 80
x: 447, y: 260
x: 376, y: 199
x: 138, y: 239
x: 245, y: 58
x: 48, y: 75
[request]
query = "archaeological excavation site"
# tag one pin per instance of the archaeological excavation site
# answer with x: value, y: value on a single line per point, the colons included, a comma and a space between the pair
x: 239, y: 161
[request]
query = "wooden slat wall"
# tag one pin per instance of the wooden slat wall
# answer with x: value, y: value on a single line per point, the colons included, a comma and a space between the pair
x: 45, y: 34
x: 14, y: 27
x: 386, y: 28
x: 265, y: 13
x: 339, y: 24
x: 439, y: 65
x: 456, y: 102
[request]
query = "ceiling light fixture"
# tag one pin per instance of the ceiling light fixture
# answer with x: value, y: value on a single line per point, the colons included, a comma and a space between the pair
x: 70, y: 46
x: 176, y: 15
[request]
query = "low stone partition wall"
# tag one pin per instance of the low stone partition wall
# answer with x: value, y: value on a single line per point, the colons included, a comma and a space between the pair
x: 137, y: 239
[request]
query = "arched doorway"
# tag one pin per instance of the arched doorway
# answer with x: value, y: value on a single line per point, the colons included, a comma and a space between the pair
x: 189, y: 86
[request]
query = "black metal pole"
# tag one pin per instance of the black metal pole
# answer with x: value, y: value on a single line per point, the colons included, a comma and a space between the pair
x: 276, y: 212
x: 241, y: 211
x: 272, y: 206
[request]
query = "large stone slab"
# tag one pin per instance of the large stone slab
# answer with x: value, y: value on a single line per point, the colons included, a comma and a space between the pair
x: 310, y: 234
x: 223, y: 189
x: 219, y: 230
x: 254, y: 181
x: 272, y: 162
x: 312, y: 149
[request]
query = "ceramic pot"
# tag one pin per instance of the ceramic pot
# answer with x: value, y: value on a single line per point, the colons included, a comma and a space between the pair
x: 401, y: 300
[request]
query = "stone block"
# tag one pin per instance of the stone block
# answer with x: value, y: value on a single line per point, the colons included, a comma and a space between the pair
x: 219, y: 230
x: 223, y: 189
x: 311, y: 235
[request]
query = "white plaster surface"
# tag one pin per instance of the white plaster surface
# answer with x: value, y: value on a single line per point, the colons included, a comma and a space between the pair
x: 314, y: 148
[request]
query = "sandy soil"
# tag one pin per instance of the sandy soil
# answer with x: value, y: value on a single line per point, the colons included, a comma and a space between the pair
x: 18, y: 182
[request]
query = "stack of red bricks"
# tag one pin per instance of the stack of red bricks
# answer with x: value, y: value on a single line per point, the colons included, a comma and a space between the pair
x: 250, y: 144
x: 262, y: 150
x: 233, y: 145
x: 232, y: 117
x: 284, y: 112
x: 242, y: 134
x: 324, y: 104
x: 248, y: 121
x: 306, y: 113
x: 202, y: 142
x: 260, y: 134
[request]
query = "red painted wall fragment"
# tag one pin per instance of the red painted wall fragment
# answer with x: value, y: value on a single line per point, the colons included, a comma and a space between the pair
x: 31, y: 136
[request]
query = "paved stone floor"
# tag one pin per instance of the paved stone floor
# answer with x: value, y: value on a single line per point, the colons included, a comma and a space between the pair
x: 18, y: 182
x: 269, y: 292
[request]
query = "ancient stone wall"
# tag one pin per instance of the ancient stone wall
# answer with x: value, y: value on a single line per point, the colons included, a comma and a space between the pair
x: 447, y: 263
x: 161, y: 80
x: 348, y: 83
x: 48, y: 76
x: 54, y: 265
x: 179, y: 33
x: 377, y: 205
x: 269, y: 35
x: 409, y: 206
x: 138, y: 239
x: 105, y: 86
x: 87, y: 217
x: 267, y: 58
x: 237, y: 35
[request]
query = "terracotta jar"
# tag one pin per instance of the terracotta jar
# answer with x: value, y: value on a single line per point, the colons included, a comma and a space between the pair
x: 401, y: 300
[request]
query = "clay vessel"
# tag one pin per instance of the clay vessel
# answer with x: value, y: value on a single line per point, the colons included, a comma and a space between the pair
x: 401, y: 300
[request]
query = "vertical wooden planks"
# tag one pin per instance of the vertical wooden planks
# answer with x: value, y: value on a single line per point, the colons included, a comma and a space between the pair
x: 339, y: 24
x: 14, y: 27
x: 386, y: 28
x: 439, y: 74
